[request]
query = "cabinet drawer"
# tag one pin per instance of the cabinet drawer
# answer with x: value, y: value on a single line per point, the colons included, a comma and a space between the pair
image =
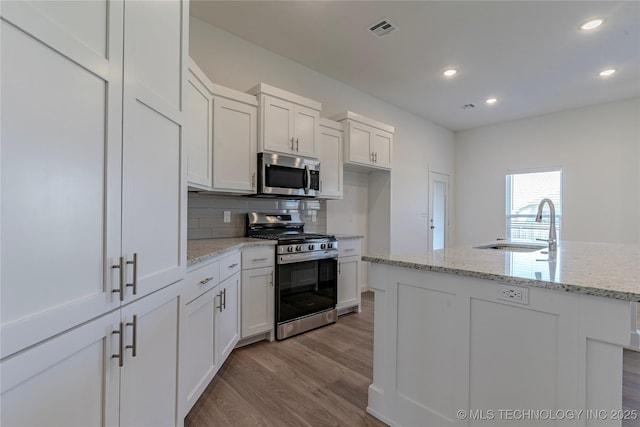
x: 257, y: 257
x: 229, y: 265
x: 200, y: 280
x: 348, y: 247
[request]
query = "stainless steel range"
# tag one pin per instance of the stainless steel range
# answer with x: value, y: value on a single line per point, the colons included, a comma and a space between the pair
x: 306, y: 276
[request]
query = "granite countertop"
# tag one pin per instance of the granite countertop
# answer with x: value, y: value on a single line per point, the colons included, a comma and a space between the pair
x: 347, y: 236
x: 204, y: 249
x: 601, y: 269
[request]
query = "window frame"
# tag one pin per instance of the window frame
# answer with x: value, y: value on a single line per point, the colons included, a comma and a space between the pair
x: 509, y: 197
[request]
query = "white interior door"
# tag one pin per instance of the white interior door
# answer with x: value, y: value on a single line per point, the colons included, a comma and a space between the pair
x: 439, y: 210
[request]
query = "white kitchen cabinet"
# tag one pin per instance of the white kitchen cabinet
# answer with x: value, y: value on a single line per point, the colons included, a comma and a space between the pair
x: 257, y: 292
x: 330, y: 156
x: 199, y: 140
x: 228, y: 313
x: 93, y: 209
x: 349, y: 278
x: 211, y: 325
x: 367, y: 142
x: 287, y: 123
x: 149, y: 376
x: 89, y: 175
x: 70, y: 380
x: 75, y: 379
x: 222, y: 136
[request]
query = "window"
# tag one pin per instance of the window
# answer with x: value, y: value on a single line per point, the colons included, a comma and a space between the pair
x: 524, y: 192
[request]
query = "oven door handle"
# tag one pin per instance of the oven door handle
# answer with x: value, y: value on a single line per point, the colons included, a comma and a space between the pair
x: 309, y: 256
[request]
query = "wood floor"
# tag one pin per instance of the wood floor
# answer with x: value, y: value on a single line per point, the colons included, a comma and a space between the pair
x: 318, y: 379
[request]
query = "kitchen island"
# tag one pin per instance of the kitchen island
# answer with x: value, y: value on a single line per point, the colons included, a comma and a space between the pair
x: 467, y: 336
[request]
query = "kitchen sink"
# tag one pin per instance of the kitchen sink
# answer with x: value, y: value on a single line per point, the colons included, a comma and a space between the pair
x: 514, y: 247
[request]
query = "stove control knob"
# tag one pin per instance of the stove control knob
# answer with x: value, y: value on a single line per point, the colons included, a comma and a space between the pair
x: 330, y: 245
x: 311, y: 247
x: 290, y: 249
x: 323, y: 246
x: 299, y: 248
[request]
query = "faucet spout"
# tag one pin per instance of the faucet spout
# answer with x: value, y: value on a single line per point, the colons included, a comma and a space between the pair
x: 553, y: 240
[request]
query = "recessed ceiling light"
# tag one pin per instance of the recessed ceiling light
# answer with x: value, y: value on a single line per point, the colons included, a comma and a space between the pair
x: 606, y: 73
x: 450, y: 72
x: 491, y: 101
x: 592, y: 24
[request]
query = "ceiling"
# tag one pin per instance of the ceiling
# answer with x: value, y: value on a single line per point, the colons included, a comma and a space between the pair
x: 530, y: 55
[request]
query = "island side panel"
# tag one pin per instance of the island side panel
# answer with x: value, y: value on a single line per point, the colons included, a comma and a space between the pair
x: 447, y: 343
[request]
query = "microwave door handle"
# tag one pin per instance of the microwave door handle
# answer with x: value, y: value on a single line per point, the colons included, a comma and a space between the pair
x: 307, y: 179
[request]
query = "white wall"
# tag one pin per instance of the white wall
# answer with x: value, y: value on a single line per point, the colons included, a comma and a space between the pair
x: 598, y: 148
x: 418, y: 144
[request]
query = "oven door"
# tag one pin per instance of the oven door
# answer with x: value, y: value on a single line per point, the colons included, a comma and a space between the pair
x: 306, y: 287
x: 288, y: 176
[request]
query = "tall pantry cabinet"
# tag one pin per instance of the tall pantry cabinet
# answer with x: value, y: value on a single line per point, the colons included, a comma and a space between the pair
x: 92, y: 210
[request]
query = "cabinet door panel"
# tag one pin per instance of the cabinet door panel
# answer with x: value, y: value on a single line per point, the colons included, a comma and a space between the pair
x: 71, y: 380
x: 277, y: 124
x: 229, y: 317
x: 199, y: 144
x: 348, y: 282
x: 148, y: 390
x: 330, y: 154
x: 60, y: 170
x: 305, y: 130
x: 151, y: 199
x: 360, y: 137
x: 155, y: 48
x: 199, y: 345
x: 382, y: 147
x: 235, y: 145
x: 257, y: 301
x: 153, y: 204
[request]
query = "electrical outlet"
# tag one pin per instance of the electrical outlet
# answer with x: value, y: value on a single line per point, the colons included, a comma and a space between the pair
x: 513, y: 294
x: 227, y: 216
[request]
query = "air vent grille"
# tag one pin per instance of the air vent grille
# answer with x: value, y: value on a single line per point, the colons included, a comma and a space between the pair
x: 467, y: 106
x: 382, y: 28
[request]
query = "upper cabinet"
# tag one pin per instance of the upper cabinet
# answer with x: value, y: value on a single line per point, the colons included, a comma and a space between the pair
x: 91, y: 137
x: 288, y: 123
x: 330, y: 156
x: 367, y: 142
x: 221, y: 136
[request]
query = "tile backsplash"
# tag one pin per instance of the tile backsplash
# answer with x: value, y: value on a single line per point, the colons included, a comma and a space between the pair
x: 206, y: 214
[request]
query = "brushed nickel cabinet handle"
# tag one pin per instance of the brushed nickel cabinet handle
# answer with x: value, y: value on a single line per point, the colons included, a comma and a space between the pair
x: 235, y: 264
x: 253, y: 180
x: 220, y: 299
x: 134, y: 284
x: 120, y: 346
x: 339, y: 263
x: 205, y: 280
x: 224, y: 299
x: 121, y: 267
x: 349, y: 250
x: 134, y: 341
x: 376, y: 157
x: 259, y: 259
x: 297, y: 144
x: 292, y: 142
x: 271, y: 273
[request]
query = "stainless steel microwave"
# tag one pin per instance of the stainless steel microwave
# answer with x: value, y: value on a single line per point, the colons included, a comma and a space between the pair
x: 282, y: 175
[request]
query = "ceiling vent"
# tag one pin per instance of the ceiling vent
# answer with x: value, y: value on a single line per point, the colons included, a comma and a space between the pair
x: 467, y: 106
x: 382, y: 28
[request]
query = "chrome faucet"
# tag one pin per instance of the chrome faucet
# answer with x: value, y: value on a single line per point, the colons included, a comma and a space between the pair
x: 553, y: 241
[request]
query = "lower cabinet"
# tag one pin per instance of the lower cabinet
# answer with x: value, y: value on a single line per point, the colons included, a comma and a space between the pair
x: 211, y: 327
x: 349, y: 276
x: 118, y: 369
x: 258, y: 315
